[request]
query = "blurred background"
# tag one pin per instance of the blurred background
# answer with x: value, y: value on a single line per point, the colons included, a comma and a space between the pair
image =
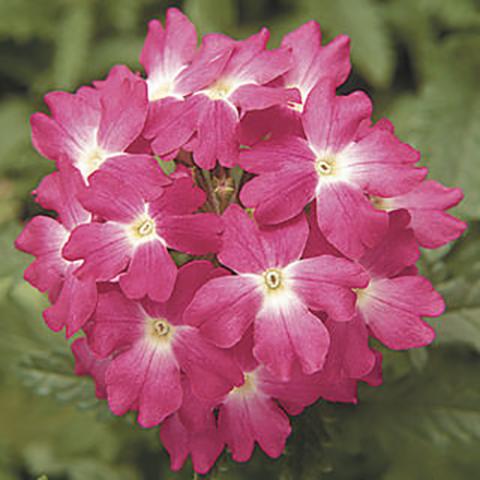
x: 420, y: 61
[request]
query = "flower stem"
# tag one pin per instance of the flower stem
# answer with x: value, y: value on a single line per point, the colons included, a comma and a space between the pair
x: 210, y: 191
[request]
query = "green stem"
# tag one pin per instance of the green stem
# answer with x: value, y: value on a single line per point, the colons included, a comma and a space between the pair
x: 213, y: 198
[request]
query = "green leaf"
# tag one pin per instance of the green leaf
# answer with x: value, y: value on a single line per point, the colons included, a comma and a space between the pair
x: 363, y: 21
x: 443, y: 121
x: 437, y: 408
x: 52, y: 374
x: 459, y: 326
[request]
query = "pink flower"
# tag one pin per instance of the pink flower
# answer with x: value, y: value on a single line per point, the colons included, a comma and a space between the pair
x: 143, y: 216
x: 250, y: 413
x: 349, y: 360
x: 275, y: 291
x: 73, y: 299
x: 426, y: 204
x: 396, y: 298
x: 311, y: 62
x: 192, y: 430
x: 89, y: 364
x: 92, y: 125
x: 340, y: 162
x: 241, y: 86
x: 152, y: 348
x: 166, y: 53
x: 166, y: 56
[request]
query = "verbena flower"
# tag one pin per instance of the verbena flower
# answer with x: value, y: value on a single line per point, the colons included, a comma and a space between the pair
x: 216, y: 301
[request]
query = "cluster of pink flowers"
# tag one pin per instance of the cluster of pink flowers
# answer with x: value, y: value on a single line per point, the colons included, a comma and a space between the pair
x: 292, y: 260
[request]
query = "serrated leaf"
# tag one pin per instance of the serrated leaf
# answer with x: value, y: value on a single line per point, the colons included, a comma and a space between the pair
x: 52, y: 374
x: 437, y: 408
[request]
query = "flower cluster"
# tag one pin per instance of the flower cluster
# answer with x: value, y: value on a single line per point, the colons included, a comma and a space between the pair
x: 296, y: 221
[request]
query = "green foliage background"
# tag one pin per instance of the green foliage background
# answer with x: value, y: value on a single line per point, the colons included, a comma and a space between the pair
x: 419, y: 60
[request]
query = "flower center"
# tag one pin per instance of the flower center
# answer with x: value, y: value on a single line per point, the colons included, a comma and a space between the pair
x: 247, y: 387
x: 220, y: 90
x: 325, y: 165
x: 162, y: 90
x: 146, y: 228
x: 273, y: 279
x: 158, y: 331
x: 92, y: 161
x: 143, y: 228
x: 160, y: 328
x: 362, y: 294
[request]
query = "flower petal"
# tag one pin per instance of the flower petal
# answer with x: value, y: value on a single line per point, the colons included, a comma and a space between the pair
x: 330, y: 121
x: 325, y: 283
x: 104, y: 248
x: 248, y: 249
x: 348, y: 220
x: 151, y: 272
x: 279, y: 196
x: 74, y: 305
x: 244, y: 420
x: 287, y: 331
x: 212, y: 372
x: 124, y: 106
x: 195, y: 234
x: 392, y: 309
x: 224, y: 308
x: 397, y: 250
x: 148, y: 376
x: 217, y: 137
x: 433, y: 227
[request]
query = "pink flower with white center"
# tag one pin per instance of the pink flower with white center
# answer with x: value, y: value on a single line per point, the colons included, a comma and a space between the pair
x: 274, y: 290
x: 166, y: 53
x: 427, y: 205
x: 340, y: 162
x: 256, y: 411
x: 152, y: 348
x: 73, y: 299
x: 89, y: 364
x: 241, y: 86
x: 192, y: 430
x: 92, y: 125
x: 396, y: 298
x: 142, y: 220
x: 313, y: 62
x: 166, y: 56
